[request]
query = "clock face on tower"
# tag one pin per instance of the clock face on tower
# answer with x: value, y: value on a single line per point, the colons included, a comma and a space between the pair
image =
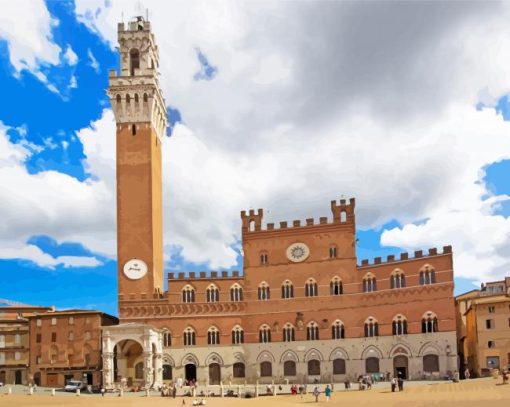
x: 135, y: 269
x: 298, y: 252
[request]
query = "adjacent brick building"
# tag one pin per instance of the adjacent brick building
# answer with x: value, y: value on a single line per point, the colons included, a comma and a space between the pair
x: 483, y: 325
x: 66, y: 345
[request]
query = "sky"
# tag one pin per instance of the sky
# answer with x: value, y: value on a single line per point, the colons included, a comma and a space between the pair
x: 277, y: 105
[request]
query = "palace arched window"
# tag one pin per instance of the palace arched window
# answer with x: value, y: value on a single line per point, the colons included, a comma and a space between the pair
x: 188, y: 294
x: 128, y: 99
x: 236, y: 293
x: 145, y: 98
x: 369, y: 283
x: 118, y: 98
x: 136, y: 98
x: 337, y: 330
x: 263, y: 291
x: 397, y: 279
x: 134, y: 61
x: 264, y: 259
x: 312, y: 331
x: 189, y: 337
x: 287, y: 289
x: 213, y: 336
x: 238, y: 369
x: 339, y: 366
x: 311, y: 289
x: 430, y: 363
x: 429, y: 323
x: 332, y: 251
x: 289, y: 333
x: 266, y: 369
x: 167, y: 338
x: 314, y: 367
x: 399, y: 325
x: 264, y: 334
x: 212, y: 293
x: 237, y: 335
x: 335, y: 286
x: 289, y: 368
x: 427, y: 275
x: 371, y: 328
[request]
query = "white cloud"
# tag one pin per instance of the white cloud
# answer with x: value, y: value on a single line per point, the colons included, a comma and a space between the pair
x: 26, y: 26
x: 70, y: 57
x: 93, y: 61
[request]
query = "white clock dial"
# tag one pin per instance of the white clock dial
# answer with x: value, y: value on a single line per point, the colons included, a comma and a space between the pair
x: 298, y: 252
x: 135, y: 269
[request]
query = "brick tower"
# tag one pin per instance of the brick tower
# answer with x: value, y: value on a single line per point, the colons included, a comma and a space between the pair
x: 141, y: 119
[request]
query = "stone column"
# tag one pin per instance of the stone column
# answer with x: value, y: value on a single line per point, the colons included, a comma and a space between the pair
x: 158, y: 369
x: 108, y: 379
x: 148, y: 369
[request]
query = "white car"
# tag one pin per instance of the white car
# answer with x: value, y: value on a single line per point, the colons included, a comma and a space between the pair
x: 73, y: 385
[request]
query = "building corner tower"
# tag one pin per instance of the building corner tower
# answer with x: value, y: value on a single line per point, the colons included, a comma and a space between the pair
x: 141, y: 119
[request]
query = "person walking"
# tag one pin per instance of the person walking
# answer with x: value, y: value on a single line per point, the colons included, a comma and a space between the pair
x: 400, y: 384
x: 327, y: 392
x: 393, y: 385
x: 316, y: 393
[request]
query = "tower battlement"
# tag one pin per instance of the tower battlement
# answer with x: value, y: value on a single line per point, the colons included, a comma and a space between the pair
x: 418, y: 254
x: 203, y: 275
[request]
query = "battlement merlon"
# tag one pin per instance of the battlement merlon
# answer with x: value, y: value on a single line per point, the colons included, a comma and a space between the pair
x: 343, y: 211
x: 418, y: 254
x: 252, y: 221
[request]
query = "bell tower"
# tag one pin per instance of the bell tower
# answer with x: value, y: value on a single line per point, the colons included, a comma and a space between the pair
x: 141, y: 118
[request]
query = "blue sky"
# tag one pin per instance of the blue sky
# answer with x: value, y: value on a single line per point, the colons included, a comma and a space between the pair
x: 46, y: 117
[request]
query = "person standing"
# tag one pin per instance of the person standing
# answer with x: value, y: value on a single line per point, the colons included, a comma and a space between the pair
x: 467, y: 375
x: 400, y: 384
x: 316, y: 393
x: 393, y: 385
x: 327, y: 392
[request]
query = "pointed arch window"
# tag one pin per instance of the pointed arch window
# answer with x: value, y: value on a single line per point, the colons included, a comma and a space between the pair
x: 371, y: 328
x: 167, y: 338
x: 264, y: 259
x: 337, y: 330
x: 237, y: 335
x: 332, y: 251
x: 289, y: 333
x: 188, y: 294
x: 427, y: 276
x: 311, y: 288
x: 369, y: 283
x: 189, y: 337
x: 134, y: 61
x: 429, y: 323
x: 263, y: 291
x: 236, y: 293
x: 335, y: 286
x: 312, y: 331
x: 213, y: 336
x: 212, y: 294
x: 287, y: 289
x: 399, y: 325
x: 264, y: 334
x: 397, y: 279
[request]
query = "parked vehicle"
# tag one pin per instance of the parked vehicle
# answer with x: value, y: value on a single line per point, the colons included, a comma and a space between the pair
x: 73, y: 385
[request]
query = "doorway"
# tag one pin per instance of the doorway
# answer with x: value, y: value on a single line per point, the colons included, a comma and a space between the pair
x: 400, y: 366
x: 214, y: 373
x: 2, y: 376
x: 190, y: 372
x: 89, y: 378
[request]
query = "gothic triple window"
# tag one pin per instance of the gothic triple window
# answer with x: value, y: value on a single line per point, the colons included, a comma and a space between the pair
x: 213, y: 336
x: 237, y: 335
x: 427, y: 276
x: 311, y: 289
x: 369, y: 283
x: 399, y: 325
x: 236, y: 293
x: 337, y: 330
x: 371, y: 328
x: 287, y: 289
x: 289, y: 333
x: 264, y: 334
x: 188, y: 294
x: 429, y: 323
x: 263, y: 291
x: 167, y: 338
x: 312, y: 331
x: 335, y: 286
x: 397, y: 279
x: 212, y: 293
x: 332, y: 252
x: 189, y: 337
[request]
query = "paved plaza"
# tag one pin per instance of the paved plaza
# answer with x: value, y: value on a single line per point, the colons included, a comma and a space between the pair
x: 466, y: 393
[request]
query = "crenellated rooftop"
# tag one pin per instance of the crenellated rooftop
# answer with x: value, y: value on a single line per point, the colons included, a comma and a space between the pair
x: 203, y: 275
x: 343, y: 212
x: 418, y: 254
